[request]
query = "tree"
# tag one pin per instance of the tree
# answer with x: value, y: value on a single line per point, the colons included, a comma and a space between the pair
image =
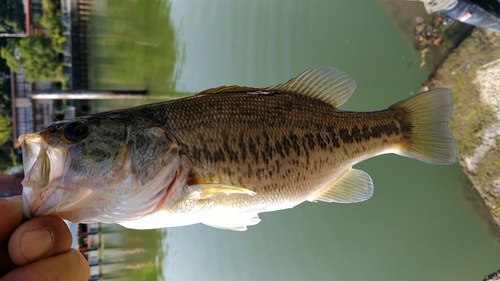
x: 39, y: 56
x: 8, y: 53
x: 36, y: 56
x: 50, y: 21
x: 8, y: 157
x: 12, y: 16
x: 39, y: 60
x: 5, y: 130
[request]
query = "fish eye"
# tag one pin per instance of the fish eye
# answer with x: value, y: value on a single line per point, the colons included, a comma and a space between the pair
x: 76, y: 130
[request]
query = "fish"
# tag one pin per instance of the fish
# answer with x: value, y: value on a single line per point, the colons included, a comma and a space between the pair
x: 226, y: 154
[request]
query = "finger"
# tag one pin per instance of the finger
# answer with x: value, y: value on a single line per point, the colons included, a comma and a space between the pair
x: 39, y: 238
x: 11, y: 218
x: 11, y: 210
x: 6, y: 263
x: 70, y: 265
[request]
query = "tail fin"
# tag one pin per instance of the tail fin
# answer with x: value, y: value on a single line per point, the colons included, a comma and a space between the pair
x: 431, y: 140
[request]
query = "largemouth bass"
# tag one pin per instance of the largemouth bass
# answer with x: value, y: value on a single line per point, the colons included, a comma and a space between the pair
x: 225, y: 155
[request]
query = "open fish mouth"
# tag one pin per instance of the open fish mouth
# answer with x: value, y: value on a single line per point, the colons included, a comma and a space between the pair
x: 43, y: 165
x: 52, y: 187
x: 31, y: 145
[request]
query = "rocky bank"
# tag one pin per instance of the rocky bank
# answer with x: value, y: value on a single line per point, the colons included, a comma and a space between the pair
x: 472, y: 72
x: 469, y: 64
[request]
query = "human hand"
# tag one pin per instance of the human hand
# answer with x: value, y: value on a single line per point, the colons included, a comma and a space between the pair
x: 37, y: 249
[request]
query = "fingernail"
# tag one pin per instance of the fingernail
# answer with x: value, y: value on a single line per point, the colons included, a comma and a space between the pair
x: 36, y: 243
x: 14, y: 198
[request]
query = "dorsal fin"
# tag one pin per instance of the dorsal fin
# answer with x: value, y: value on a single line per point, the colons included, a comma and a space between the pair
x: 229, y: 89
x: 328, y: 84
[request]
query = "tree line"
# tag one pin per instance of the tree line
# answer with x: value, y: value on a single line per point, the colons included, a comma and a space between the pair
x: 11, y: 22
x: 38, y: 56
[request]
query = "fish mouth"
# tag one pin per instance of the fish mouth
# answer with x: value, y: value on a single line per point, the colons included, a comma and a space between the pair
x: 43, y: 166
x: 52, y: 186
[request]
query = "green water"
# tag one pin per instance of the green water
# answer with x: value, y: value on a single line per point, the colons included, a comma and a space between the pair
x: 417, y: 226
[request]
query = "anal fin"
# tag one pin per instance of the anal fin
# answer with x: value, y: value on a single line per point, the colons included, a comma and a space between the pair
x: 352, y: 187
x: 236, y: 222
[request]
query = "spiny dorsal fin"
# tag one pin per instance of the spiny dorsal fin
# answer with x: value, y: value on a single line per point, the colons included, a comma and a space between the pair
x: 352, y: 187
x: 328, y: 84
x: 229, y: 89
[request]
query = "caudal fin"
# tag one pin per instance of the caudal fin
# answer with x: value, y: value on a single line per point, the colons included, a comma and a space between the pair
x: 429, y: 114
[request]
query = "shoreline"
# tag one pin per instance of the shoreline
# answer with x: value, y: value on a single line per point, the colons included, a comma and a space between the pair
x: 472, y: 72
x: 468, y: 64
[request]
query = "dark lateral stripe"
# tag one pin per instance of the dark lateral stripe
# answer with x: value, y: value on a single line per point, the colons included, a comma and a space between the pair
x: 279, y: 149
x: 365, y: 133
x: 232, y: 155
x: 321, y: 142
x: 242, y: 147
x: 295, y: 143
x: 265, y: 147
x: 309, y: 139
x: 267, y: 152
x: 333, y: 138
x: 285, y: 143
x: 253, y: 149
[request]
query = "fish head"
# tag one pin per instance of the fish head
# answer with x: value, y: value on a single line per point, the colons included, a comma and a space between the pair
x: 64, y: 162
x: 94, y: 169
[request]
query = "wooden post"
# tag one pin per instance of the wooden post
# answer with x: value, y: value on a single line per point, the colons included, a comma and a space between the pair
x: 89, y: 95
x: 18, y: 35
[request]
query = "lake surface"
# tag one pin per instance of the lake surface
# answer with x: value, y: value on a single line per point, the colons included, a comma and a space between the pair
x: 417, y: 226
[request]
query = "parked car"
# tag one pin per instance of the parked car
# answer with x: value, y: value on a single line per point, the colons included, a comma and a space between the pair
x: 481, y: 13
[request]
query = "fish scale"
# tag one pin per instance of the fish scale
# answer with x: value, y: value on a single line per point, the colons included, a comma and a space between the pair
x: 333, y: 141
x: 226, y: 154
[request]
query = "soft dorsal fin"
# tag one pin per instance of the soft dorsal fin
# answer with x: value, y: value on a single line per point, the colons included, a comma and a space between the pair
x: 352, y: 187
x: 229, y: 89
x: 328, y: 84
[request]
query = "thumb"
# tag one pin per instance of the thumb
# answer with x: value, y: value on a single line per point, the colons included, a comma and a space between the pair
x: 12, y: 216
x: 39, y: 238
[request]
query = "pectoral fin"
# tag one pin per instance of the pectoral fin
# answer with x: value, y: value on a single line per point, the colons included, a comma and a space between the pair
x: 352, y: 187
x: 209, y: 190
x: 236, y: 222
x: 223, y: 220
